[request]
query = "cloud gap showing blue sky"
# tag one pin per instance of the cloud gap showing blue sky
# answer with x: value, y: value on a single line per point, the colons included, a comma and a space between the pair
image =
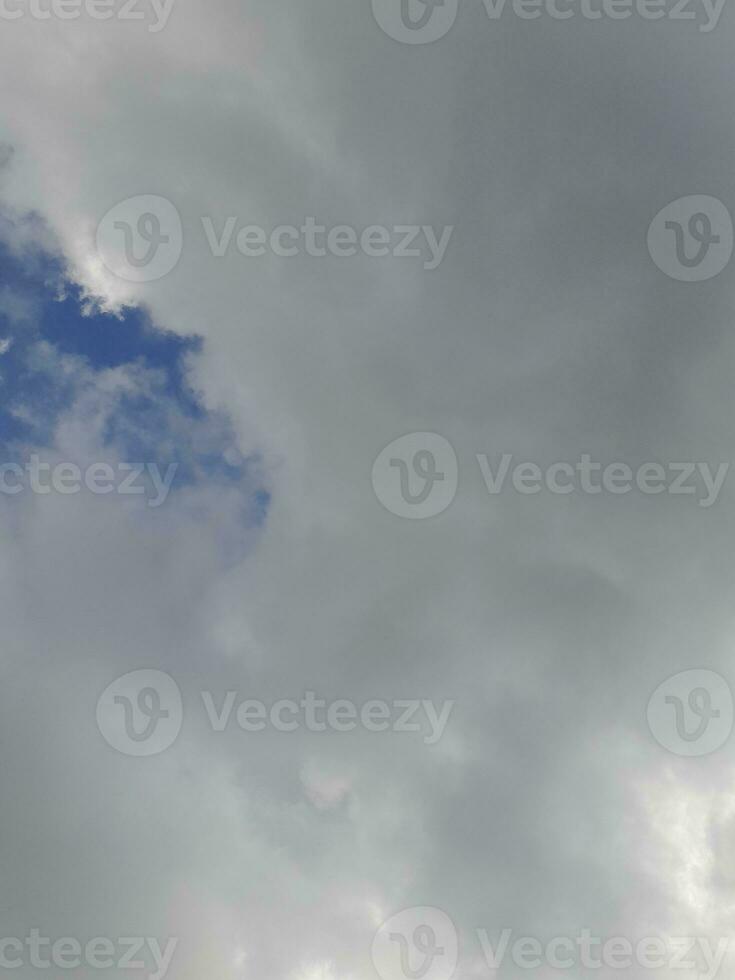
x: 56, y: 345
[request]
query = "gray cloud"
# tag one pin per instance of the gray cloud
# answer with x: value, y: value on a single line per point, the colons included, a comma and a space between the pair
x: 547, y: 332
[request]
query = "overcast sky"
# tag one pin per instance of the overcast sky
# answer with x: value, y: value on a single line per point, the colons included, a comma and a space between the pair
x: 534, y: 318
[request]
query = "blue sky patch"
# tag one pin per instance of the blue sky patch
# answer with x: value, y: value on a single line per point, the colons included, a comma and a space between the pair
x: 53, y: 347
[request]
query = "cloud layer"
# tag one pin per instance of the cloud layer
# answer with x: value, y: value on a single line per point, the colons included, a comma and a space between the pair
x: 546, y: 332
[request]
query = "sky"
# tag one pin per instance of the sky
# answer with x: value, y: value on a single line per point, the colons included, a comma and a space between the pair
x: 289, y: 295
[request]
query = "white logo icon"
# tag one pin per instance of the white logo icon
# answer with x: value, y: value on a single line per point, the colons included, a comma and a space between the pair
x: 415, y: 21
x: 691, y: 239
x: 416, y: 476
x: 691, y: 713
x: 141, y: 238
x: 141, y: 713
x: 416, y: 944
